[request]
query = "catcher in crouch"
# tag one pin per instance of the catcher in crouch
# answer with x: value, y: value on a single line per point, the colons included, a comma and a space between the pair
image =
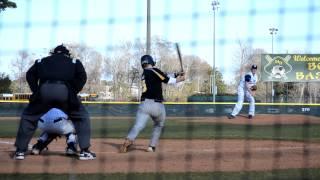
x: 246, y: 88
x: 151, y: 103
x: 55, y: 123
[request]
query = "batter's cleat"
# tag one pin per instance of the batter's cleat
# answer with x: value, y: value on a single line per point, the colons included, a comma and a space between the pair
x: 71, y: 149
x: 230, y: 116
x: 38, y: 147
x: 250, y: 116
x: 125, y: 146
x: 18, y: 155
x: 151, y: 149
x: 86, y: 155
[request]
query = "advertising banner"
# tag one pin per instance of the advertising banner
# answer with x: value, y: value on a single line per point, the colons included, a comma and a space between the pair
x: 290, y: 67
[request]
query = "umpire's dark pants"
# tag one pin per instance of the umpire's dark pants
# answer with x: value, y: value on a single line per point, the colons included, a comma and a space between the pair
x: 29, y: 123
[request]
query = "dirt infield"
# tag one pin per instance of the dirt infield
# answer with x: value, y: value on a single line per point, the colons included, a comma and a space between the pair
x: 175, y: 155
x: 263, y: 119
x: 171, y: 156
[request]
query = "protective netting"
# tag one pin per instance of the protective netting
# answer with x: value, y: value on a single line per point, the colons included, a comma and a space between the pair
x: 194, y: 145
x: 198, y: 141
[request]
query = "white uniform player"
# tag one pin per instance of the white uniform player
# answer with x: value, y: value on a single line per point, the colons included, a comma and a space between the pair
x: 55, y: 122
x: 244, y: 91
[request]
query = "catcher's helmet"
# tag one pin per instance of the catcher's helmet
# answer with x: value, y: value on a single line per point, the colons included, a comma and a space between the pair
x: 61, y: 49
x: 247, y: 78
x: 254, y: 66
x: 147, y: 59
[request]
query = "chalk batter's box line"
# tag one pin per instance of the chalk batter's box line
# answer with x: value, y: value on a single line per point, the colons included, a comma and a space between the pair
x: 257, y: 149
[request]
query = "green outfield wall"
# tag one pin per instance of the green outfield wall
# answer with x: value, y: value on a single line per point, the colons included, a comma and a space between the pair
x: 176, y: 109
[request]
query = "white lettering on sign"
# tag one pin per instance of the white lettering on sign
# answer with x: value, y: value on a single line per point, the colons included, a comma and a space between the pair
x: 306, y: 109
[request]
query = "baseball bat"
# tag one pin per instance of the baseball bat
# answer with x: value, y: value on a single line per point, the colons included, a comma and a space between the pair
x: 179, y: 56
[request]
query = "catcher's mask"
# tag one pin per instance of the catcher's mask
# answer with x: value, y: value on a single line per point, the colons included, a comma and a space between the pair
x: 61, y: 49
x: 247, y: 78
x: 147, y: 59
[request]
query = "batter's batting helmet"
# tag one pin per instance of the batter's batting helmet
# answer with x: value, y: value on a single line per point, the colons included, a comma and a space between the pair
x: 147, y: 59
x: 247, y: 78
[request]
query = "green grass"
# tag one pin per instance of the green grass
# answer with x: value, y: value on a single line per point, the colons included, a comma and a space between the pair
x: 178, y: 129
x: 293, y: 174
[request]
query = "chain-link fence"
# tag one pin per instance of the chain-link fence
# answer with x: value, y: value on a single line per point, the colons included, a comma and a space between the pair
x: 198, y: 140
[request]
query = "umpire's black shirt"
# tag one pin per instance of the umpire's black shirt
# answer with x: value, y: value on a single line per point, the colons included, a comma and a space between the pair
x: 57, y: 67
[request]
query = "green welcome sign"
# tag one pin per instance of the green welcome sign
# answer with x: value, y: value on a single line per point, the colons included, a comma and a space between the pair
x: 290, y: 67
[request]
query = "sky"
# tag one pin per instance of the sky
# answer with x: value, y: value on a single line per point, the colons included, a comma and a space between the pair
x: 39, y: 25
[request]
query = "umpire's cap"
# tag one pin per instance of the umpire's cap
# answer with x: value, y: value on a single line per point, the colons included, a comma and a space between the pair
x: 147, y: 59
x: 61, y: 49
x: 254, y: 66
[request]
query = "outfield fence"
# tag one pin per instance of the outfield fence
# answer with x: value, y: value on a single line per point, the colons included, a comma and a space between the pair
x: 183, y: 109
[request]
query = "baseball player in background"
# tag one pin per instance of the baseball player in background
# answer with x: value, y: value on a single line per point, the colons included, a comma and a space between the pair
x: 246, y: 89
x: 55, y: 122
x: 151, y: 103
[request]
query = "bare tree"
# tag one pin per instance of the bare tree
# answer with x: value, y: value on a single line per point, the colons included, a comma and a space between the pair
x: 20, y: 65
x: 244, y: 58
x: 304, y: 92
x: 314, y: 92
x: 93, y: 63
x: 123, y: 69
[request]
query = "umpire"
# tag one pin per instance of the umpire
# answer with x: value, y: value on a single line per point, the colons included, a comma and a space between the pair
x: 55, y: 81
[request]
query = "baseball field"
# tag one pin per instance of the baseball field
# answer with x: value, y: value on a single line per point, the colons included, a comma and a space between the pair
x: 270, y: 146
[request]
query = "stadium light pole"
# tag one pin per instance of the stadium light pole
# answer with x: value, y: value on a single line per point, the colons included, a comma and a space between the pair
x: 148, y: 48
x: 215, y: 6
x: 273, y: 31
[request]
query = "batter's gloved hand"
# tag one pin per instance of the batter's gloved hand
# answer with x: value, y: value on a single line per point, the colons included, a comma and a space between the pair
x: 178, y: 74
x: 253, y: 88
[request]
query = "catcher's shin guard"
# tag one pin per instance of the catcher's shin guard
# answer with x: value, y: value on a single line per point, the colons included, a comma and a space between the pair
x: 125, y: 146
x: 71, y: 141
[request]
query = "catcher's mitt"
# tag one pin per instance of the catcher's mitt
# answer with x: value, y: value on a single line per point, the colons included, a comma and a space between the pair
x: 253, y: 88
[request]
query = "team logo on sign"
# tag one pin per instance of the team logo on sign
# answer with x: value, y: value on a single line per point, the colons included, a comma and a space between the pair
x: 278, y: 67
